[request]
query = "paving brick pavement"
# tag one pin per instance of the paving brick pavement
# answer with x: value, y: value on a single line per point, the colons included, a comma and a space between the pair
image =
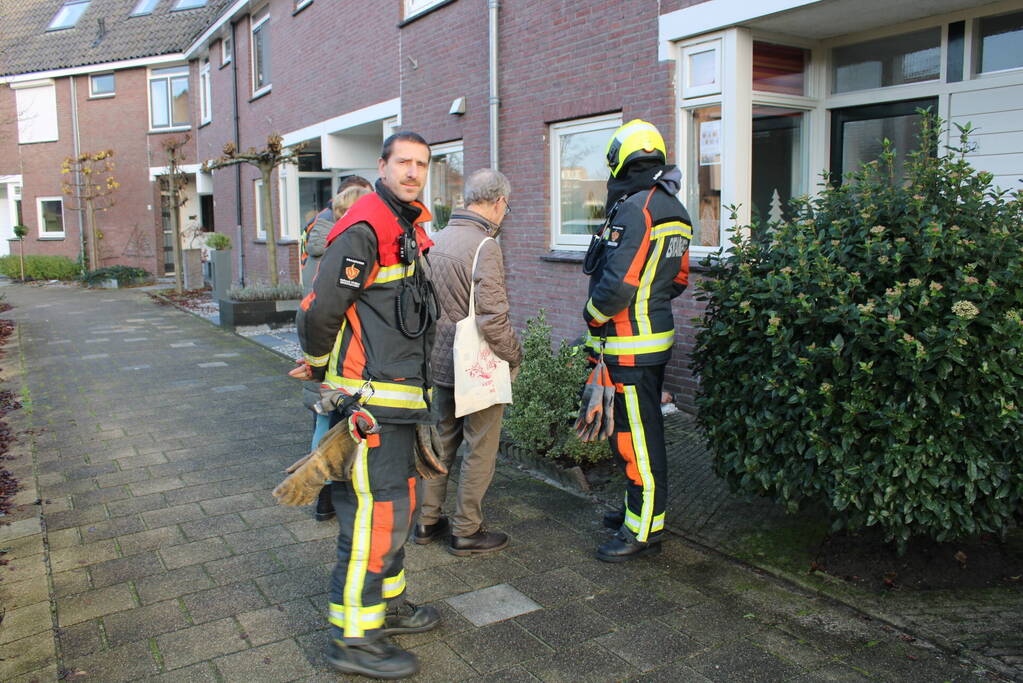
x: 157, y: 553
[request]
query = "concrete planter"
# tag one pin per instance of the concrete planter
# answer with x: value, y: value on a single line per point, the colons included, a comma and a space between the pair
x: 220, y: 262
x: 272, y: 313
x: 571, y: 477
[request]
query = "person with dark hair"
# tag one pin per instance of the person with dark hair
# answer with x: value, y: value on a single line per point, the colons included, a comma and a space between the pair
x: 367, y: 331
x: 311, y: 246
x: 466, y: 235
x: 637, y: 264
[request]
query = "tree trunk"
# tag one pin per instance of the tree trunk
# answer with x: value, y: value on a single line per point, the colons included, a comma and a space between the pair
x: 21, y: 257
x: 176, y: 237
x: 268, y: 223
x: 90, y: 238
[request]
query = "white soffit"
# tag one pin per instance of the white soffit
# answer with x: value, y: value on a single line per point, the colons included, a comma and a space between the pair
x: 375, y: 112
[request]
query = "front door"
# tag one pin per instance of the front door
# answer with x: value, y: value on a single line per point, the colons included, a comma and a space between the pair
x: 168, y: 228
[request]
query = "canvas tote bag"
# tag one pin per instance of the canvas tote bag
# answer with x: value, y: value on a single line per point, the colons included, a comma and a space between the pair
x: 481, y: 378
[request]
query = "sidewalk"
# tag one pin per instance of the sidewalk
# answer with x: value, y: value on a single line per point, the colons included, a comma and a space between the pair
x: 157, y: 552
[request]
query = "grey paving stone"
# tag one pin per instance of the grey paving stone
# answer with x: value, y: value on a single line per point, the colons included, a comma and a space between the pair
x: 259, y: 539
x: 296, y: 583
x: 192, y: 494
x: 742, y: 661
x: 213, y: 526
x: 95, y: 603
x: 76, y: 557
x: 22, y: 622
x: 125, y: 569
x: 567, y: 624
x: 30, y: 654
x: 194, y: 553
x: 648, y: 644
x: 174, y: 514
x: 587, y: 662
x: 81, y: 639
x: 497, y: 646
x: 150, y: 540
x: 488, y: 570
x: 66, y: 583
x: 224, y: 601
x: 242, y: 567
x: 199, y: 643
x: 223, y: 505
x: 144, y: 622
x: 110, y: 528
x: 136, y: 504
x: 171, y: 584
x: 281, y: 661
x: 141, y: 488
x: 279, y: 621
x: 203, y: 672
x: 555, y: 587
x: 711, y: 623
x: 629, y: 605
x: 490, y: 605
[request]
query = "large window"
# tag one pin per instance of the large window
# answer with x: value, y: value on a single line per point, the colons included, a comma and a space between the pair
x: 579, y: 179
x: 704, y: 173
x: 205, y: 93
x: 858, y: 134
x: 1000, y: 42
x: 777, y: 173
x: 897, y: 60
x: 446, y: 184
x: 101, y: 85
x: 37, y: 112
x: 168, y: 97
x: 261, y: 52
x: 50, y: 212
x: 68, y: 15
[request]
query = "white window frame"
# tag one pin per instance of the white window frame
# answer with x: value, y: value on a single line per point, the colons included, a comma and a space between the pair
x: 36, y: 106
x: 300, y: 4
x: 140, y: 9
x: 416, y: 7
x: 192, y: 4
x: 437, y: 150
x: 257, y: 184
x: 259, y: 20
x: 43, y: 235
x: 93, y: 95
x: 973, y: 45
x: 226, y: 50
x: 167, y: 77
x: 609, y: 122
x: 205, y: 93
x: 714, y: 87
x: 64, y: 11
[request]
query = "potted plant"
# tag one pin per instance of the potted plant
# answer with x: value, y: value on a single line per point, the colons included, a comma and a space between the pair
x: 219, y: 245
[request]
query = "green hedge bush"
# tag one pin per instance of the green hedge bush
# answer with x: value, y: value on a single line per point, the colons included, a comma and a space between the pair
x: 39, y: 267
x: 868, y: 354
x: 546, y: 398
x: 266, y: 292
x: 122, y: 274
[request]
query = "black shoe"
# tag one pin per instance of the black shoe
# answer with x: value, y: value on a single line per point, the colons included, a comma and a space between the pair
x: 482, y: 541
x: 425, y: 533
x: 614, y: 519
x: 378, y: 658
x: 623, y: 547
x: 324, y: 505
x: 404, y: 617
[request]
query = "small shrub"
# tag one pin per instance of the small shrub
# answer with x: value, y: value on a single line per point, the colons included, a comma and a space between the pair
x: 20, y: 231
x: 868, y: 355
x: 265, y: 292
x: 122, y: 274
x: 546, y: 398
x: 218, y: 240
x: 40, y: 267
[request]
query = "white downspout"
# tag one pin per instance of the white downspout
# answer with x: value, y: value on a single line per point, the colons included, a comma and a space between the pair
x: 495, y: 100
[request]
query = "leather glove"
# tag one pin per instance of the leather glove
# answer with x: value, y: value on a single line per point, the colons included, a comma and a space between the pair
x: 608, y: 425
x: 429, y: 453
x: 589, y: 422
x: 332, y: 459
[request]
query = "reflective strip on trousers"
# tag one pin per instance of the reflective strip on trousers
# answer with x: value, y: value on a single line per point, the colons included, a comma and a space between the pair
x: 367, y: 618
x: 394, y: 586
x: 646, y: 516
x: 358, y: 562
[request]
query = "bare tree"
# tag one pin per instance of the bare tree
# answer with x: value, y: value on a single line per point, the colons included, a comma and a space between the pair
x: 91, y: 185
x: 266, y: 160
x: 176, y: 182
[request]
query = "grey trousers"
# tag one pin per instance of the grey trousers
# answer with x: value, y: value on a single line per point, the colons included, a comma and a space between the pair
x: 481, y: 431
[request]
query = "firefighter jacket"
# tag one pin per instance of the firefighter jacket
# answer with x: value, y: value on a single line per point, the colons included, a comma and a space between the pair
x: 637, y: 265
x: 349, y: 326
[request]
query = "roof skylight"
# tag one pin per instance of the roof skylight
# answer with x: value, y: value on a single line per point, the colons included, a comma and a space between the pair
x: 68, y: 15
x: 144, y: 7
x: 189, y: 4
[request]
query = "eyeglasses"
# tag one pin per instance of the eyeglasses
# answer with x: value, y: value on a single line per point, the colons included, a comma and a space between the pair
x: 507, y: 206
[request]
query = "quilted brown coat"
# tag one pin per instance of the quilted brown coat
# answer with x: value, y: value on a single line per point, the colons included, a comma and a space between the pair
x: 451, y: 258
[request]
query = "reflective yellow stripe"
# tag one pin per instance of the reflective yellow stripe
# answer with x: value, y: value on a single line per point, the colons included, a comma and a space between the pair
x: 595, y: 314
x: 317, y: 361
x: 358, y: 558
x: 392, y: 273
x: 669, y: 229
x: 386, y: 394
x: 646, y: 280
x: 632, y: 522
x: 634, y: 345
x: 335, y: 352
x: 646, y: 515
x: 394, y: 585
x: 368, y: 618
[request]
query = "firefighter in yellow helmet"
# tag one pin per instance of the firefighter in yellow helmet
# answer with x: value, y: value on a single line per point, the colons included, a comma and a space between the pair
x: 637, y: 263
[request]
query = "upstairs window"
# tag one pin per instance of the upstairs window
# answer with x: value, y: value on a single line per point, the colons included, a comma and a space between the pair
x: 68, y: 15
x: 143, y: 7
x: 101, y: 85
x: 188, y: 4
x: 205, y: 93
x: 896, y: 60
x: 226, y: 51
x: 1001, y: 42
x: 261, y: 52
x: 168, y: 97
x: 414, y: 7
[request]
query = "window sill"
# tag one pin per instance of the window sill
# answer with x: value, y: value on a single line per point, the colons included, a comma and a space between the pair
x: 423, y: 13
x: 52, y: 238
x: 283, y: 242
x: 205, y: 123
x: 223, y: 64
x: 173, y: 129
x: 301, y: 7
x: 102, y: 97
x: 265, y: 91
x: 563, y: 256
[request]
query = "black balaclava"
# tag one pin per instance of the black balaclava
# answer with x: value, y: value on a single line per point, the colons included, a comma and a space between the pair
x: 634, y: 177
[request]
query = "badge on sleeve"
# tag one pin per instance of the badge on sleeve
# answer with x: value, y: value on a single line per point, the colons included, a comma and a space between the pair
x: 353, y: 273
x: 615, y: 235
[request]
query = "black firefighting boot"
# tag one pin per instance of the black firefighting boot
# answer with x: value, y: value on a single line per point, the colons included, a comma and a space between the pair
x: 324, y: 505
x: 404, y: 617
x: 378, y: 658
x: 425, y: 533
x: 623, y: 547
x: 614, y: 519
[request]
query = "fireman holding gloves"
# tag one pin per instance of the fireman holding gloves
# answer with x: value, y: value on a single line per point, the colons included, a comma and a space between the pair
x: 637, y: 264
x: 367, y: 331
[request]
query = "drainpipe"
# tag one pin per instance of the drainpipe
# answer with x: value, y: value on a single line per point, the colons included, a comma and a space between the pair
x: 76, y: 147
x: 495, y: 101
x: 237, y: 167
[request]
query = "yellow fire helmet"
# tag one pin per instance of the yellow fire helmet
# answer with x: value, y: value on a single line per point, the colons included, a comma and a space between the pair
x: 637, y: 139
